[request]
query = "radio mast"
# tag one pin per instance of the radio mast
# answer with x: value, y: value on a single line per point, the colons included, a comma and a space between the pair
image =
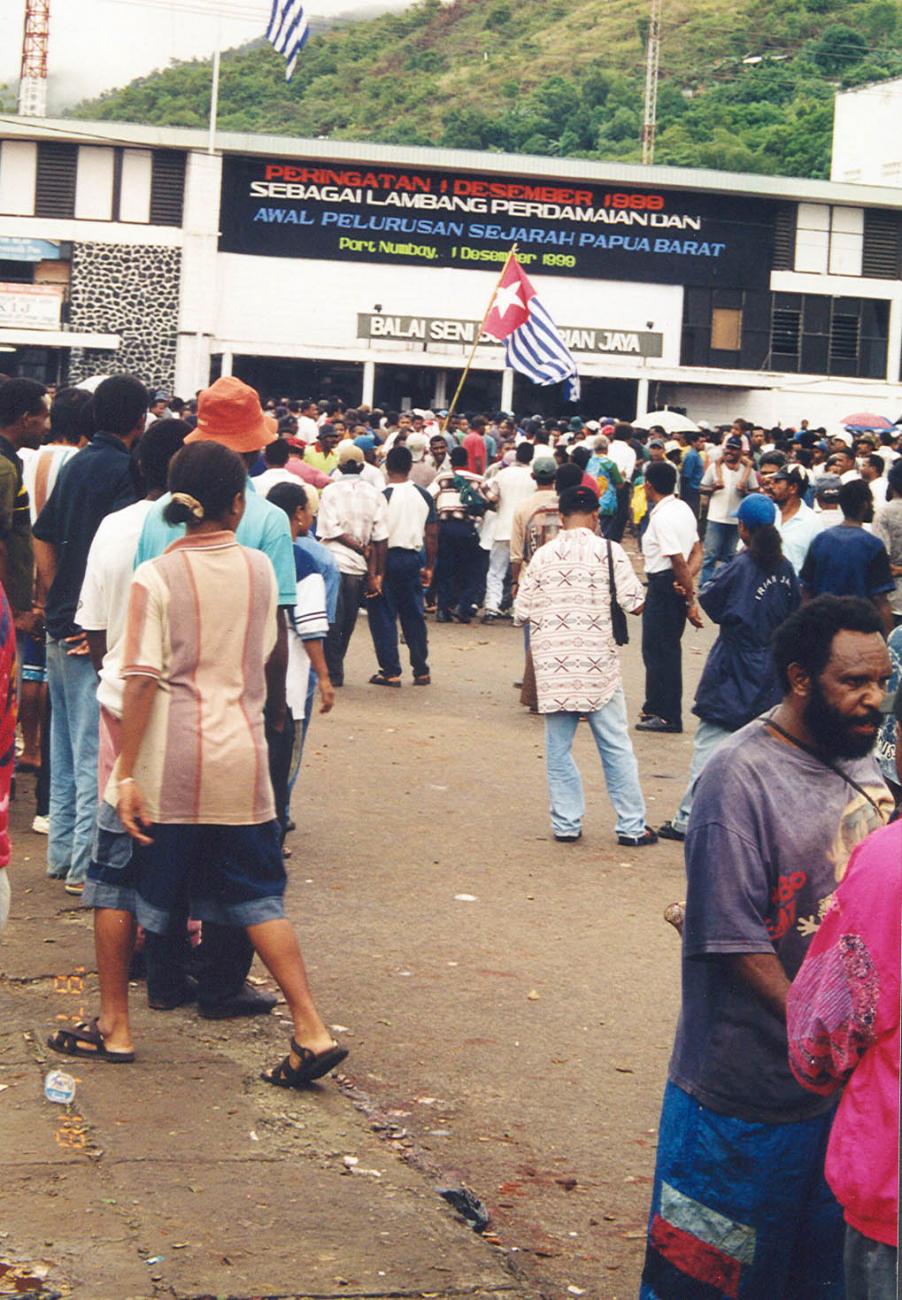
x: 652, y: 62
x: 33, y: 74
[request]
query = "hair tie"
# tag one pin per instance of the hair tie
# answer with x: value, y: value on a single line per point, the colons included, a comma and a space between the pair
x: 190, y: 503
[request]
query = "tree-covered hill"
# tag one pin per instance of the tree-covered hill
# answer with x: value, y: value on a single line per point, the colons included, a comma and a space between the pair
x: 744, y: 87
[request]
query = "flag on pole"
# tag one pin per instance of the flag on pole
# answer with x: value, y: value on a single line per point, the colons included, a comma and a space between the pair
x: 287, y: 31
x: 532, y: 342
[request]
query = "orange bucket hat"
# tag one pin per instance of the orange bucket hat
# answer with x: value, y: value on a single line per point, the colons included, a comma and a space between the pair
x: 229, y: 412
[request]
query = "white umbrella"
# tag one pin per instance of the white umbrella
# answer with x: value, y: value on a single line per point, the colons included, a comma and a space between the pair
x: 670, y: 422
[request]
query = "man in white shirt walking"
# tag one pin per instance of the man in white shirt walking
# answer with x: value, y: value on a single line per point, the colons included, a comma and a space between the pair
x: 673, y: 557
x: 566, y: 597
x: 725, y: 483
x: 506, y: 490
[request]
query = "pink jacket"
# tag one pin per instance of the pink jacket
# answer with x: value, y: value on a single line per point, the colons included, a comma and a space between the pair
x: 843, y: 1023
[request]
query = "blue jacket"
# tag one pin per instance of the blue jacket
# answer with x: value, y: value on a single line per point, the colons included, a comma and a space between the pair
x: 739, y: 680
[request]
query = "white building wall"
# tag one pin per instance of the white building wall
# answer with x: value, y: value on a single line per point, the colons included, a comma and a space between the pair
x: 867, y: 135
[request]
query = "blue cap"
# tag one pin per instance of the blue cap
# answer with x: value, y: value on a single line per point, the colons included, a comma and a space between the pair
x: 365, y: 442
x: 756, y: 510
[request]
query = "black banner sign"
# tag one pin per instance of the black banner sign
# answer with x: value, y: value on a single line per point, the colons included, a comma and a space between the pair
x: 371, y: 213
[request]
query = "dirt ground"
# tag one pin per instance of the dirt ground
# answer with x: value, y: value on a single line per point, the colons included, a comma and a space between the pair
x: 509, y: 1003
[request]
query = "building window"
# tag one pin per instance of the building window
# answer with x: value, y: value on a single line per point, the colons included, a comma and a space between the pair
x: 844, y: 336
x: 829, y: 240
x: 57, y: 169
x: 726, y: 329
x: 786, y: 332
x: 882, y: 245
x: 167, y: 187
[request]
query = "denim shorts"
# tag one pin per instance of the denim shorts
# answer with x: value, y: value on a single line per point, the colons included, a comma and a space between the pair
x: 234, y: 875
x: 32, y: 658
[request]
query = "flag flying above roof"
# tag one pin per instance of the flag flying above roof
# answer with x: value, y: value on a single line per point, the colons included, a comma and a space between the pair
x: 532, y: 342
x: 287, y: 31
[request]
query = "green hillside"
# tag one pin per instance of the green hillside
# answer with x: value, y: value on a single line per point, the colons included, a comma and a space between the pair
x: 745, y: 87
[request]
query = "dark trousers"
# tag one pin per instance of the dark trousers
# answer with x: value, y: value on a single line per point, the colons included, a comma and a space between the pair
x: 42, y: 785
x: 617, y: 527
x: 663, y: 621
x: 692, y: 497
x: 336, y: 644
x: 402, y: 598
x: 220, y: 963
x: 459, y: 568
x: 279, y: 747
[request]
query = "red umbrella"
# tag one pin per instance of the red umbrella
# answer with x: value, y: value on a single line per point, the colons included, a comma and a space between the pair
x: 867, y: 422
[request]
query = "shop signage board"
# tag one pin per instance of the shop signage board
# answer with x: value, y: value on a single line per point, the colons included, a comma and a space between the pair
x: 424, y: 330
x: 15, y: 249
x: 30, y: 306
x: 373, y: 213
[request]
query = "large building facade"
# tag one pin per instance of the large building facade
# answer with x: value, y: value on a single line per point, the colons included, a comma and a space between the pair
x: 312, y: 267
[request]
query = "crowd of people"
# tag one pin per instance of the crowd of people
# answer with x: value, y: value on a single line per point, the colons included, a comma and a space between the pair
x: 181, y: 582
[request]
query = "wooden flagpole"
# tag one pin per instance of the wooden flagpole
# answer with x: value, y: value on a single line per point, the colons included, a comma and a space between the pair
x: 463, y: 378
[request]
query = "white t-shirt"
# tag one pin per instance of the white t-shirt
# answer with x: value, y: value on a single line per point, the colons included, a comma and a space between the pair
x: 40, y: 469
x: 265, y: 482
x: 410, y: 509
x: 104, y: 593
x: 878, y: 488
x: 724, y: 503
x: 671, y: 530
x: 307, y: 429
x: 512, y: 484
x: 306, y: 622
x: 623, y: 456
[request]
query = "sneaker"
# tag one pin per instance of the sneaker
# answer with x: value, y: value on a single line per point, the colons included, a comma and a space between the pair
x: 638, y: 841
x: 658, y: 724
x: 41, y: 825
x: 491, y: 616
x: 568, y: 839
x: 669, y: 832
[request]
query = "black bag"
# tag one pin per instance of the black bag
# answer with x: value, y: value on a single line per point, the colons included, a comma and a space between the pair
x: 618, y: 618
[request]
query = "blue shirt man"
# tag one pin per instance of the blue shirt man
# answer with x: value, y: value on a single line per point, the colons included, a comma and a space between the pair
x: 846, y: 560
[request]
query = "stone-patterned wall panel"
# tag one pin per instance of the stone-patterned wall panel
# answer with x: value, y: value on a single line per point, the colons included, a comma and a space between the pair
x: 132, y: 291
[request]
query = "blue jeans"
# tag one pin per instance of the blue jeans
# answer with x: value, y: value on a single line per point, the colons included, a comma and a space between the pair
x: 74, y: 730
x: 741, y: 1209
x: 720, y: 545
x: 870, y: 1267
x: 707, y: 739
x: 621, y: 773
x: 402, y: 598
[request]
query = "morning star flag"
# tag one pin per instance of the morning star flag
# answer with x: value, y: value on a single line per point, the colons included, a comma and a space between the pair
x: 287, y: 31
x: 531, y: 339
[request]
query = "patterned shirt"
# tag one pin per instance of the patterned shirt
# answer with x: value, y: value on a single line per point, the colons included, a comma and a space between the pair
x: 447, y: 496
x: 351, y: 505
x: 202, y: 622
x: 565, y: 594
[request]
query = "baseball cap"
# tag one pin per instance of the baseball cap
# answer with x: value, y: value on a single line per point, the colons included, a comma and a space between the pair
x: 366, y: 442
x: 827, y: 487
x: 578, y: 500
x: 544, y: 469
x: 843, y: 436
x: 755, y: 511
x: 790, y: 474
x: 229, y: 412
x: 656, y: 442
x: 734, y: 443
x: 348, y: 450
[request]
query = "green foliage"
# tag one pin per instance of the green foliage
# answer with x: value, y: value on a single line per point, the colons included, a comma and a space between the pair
x: 554, y: 77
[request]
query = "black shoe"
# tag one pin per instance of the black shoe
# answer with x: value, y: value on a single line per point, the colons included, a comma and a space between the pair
x: 658, y: 724
x: 290, y: 826
x: 638, y: 841
x: 491, y: 616
x: 246, y: 1003
x: 568, y: 839
x: 443, y: 616
x: 669, y: 832
x: 188, y: 994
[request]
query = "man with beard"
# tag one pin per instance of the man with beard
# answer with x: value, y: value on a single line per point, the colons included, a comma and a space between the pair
x: 740, y: 1205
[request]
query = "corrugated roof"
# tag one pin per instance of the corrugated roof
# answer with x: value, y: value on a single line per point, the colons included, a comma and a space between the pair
x: 617, y: 173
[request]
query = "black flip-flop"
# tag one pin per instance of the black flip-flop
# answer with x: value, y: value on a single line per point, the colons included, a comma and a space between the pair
x: 313, y: 1066
x: 379, y: 679
x: 86, y: 1041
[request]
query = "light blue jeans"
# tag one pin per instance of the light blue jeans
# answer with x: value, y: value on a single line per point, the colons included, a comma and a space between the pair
x: 621, y: 772
x: 74, y: 731
x: 707, y: 739
x: 720, y: 546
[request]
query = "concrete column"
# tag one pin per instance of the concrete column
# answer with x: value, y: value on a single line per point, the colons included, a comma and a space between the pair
x: 227, y: 361
x: 369, y: 383
x: 642, y: 397
x: 894, y: 341
x: 507, y: 390
x: 440, y: 392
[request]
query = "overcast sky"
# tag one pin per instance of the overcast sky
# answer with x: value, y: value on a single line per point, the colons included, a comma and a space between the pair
x: 99, y: 44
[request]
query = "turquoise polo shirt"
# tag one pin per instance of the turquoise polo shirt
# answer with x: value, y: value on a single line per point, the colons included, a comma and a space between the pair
x: 263, y: 527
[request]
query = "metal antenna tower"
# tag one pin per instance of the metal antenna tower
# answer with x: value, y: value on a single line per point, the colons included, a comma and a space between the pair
x: 33, y: 74
x: 652, y: 63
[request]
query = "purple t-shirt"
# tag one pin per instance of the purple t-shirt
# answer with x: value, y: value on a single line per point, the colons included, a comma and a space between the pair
x: 769, y: 838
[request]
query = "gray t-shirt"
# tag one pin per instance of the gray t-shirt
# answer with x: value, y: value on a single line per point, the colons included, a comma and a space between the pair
x: 770, y: 835
x: 888, y: 527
